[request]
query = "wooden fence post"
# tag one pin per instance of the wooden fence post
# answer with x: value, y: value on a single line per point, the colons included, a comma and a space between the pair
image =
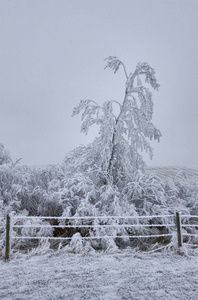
x: 179, y: 232
x: 7, y: 242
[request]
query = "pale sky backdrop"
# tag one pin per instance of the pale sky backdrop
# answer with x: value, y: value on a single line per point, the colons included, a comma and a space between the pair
x: 52, y: 56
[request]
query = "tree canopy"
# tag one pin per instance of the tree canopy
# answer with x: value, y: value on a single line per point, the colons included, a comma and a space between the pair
x: 123, y: 136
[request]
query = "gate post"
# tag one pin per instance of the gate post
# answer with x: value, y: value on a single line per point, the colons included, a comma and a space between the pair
x: 7, y: 242
x: 179, y: 232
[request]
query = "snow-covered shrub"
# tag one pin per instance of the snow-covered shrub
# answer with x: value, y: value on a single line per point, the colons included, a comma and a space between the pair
x: 147, y: 194
x: 188, y: 194
x: 31, y: 200
x: 51, y: 205
x: 181, y: 194
x: 76, y: 243
x: 76, y: 190
x: 34, y: 190
x: 11, y: 183
x: 5, y: 157
x: 30, y: 228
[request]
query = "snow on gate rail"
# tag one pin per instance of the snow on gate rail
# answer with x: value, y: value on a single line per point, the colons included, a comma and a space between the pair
x: 176, y: 222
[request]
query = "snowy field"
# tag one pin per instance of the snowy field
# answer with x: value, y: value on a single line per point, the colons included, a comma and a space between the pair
x: 124, y: 275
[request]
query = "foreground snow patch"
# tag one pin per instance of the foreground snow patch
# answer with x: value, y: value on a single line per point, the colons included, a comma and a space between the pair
x: 100, y: 276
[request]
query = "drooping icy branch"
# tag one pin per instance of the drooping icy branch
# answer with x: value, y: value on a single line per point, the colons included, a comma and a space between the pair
x: 114, y: 63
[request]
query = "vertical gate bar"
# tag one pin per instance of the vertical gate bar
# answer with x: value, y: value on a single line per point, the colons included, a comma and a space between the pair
x: 7, y: 242
x: 179, y: 227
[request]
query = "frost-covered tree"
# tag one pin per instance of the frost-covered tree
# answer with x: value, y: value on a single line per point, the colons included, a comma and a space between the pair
x: 122, y: 136
x: 5, y: 157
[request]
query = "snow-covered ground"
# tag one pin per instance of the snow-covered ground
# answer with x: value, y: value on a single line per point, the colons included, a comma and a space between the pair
x: 124, y: 275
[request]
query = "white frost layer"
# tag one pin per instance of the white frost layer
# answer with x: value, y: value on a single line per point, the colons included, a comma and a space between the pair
x: 100, y: 276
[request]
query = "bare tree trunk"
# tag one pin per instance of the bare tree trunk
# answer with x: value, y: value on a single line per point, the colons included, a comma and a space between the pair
x: 109, y: 170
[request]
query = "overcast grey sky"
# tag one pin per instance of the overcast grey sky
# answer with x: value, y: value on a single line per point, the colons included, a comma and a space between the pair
x: 52, y: 55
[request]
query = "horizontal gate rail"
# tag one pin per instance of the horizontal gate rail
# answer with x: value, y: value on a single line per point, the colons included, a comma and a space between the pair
x: 93, y: 226
x: 96, y: 237
x: 93, y: 217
